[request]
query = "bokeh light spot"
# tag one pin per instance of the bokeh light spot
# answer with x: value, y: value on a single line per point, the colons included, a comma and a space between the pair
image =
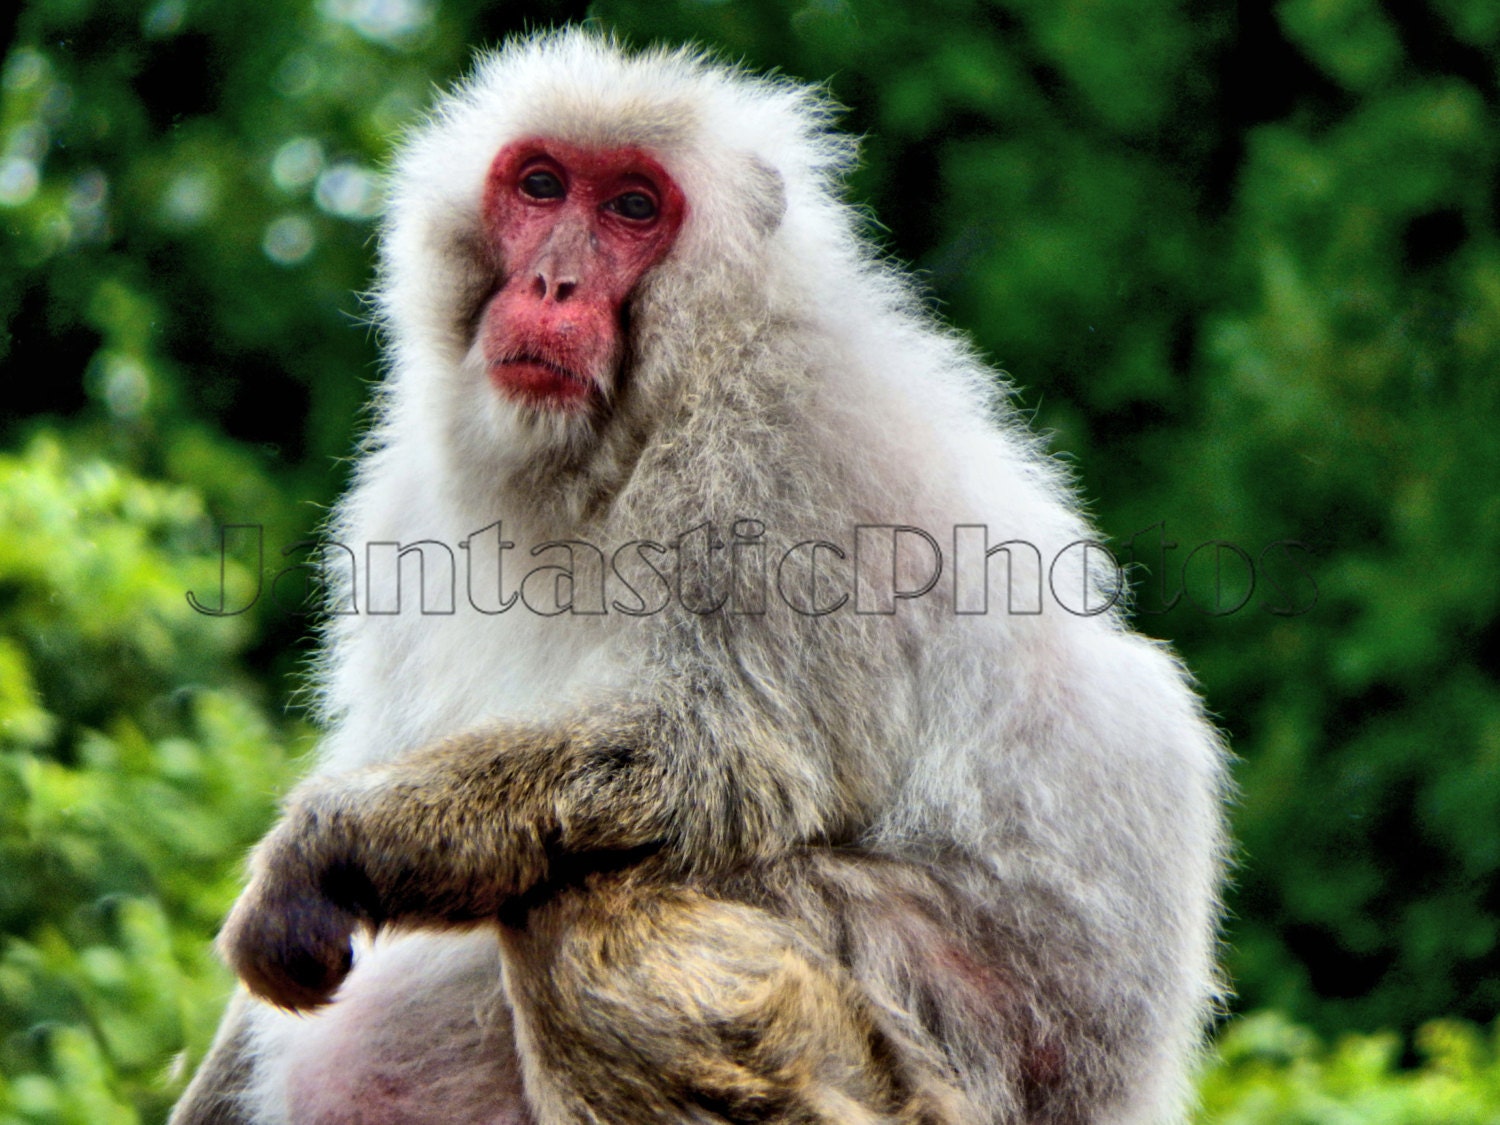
x: 289, y: 239
x: 24, y: 69
x: 394, y: 22
x: 121, y: 382
x: 191, y: 198
x: 349, y: 191
x: 163, y: 19
x: 297, y: 163
x: 19, y: 179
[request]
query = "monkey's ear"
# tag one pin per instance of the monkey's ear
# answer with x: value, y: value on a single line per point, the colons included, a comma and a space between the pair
x: 767, y: 192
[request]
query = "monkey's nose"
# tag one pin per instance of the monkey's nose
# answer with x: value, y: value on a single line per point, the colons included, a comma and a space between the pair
x: 559, y: 290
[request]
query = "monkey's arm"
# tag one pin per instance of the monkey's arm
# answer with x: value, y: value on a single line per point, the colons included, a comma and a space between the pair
x: 454, y: 832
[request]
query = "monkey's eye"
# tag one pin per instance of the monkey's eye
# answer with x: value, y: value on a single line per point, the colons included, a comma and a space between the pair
x: 543, y: 185
x: 633, y: 205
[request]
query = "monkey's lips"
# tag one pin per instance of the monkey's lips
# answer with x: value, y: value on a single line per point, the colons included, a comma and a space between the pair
x: 540, y: 382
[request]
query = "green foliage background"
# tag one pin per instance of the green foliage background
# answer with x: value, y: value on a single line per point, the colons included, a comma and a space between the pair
x: 1241, y: 258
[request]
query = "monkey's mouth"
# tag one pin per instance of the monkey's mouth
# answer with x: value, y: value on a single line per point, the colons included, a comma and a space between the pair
x: 541, y: 382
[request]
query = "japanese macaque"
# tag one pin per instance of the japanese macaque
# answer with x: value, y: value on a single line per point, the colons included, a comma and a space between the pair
x: 766, y: 794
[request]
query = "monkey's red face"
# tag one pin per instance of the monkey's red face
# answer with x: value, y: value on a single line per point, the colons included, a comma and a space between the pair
x: 573, y: 231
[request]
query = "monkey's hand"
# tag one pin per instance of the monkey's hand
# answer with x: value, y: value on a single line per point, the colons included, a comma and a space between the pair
x: 288, y: 936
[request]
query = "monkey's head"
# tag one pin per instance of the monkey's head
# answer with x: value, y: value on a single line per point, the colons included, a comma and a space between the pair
x: 577, y: 228
x: 572, y: 230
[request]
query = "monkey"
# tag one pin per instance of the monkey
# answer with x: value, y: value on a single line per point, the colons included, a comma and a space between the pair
x: 749, y: 801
